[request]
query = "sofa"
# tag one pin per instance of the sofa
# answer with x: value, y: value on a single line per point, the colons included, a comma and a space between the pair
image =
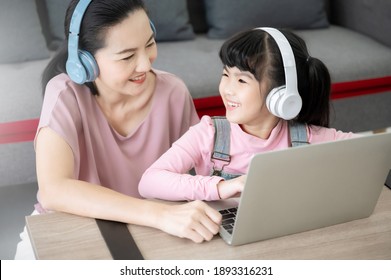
x: 352, y: 37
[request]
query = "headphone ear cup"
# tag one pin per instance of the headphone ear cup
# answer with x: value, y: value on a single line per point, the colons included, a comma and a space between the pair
x: 90, y: 66
x: 283, y: 104
x: 84, y: 69
x: 273, y: 100
x: 76, y: 71
x: 289, y: 105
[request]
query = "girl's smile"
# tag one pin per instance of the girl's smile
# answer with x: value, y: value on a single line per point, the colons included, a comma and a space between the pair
x: 232, y: 105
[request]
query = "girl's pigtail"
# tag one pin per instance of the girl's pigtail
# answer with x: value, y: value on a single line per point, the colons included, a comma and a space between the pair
x: 316, y: 108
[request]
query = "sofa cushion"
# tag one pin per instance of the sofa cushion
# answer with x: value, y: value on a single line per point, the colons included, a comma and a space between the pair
x: 20, y: 90
x: 20, y: 32
x: 359, y: 15
x: 199, y: 65
x: 52, y: 15
x: 240, y: 15
x: 349, y: 55
x: 171, y: 19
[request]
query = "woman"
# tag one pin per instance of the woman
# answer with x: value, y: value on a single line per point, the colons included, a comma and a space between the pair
x: 99, y: 132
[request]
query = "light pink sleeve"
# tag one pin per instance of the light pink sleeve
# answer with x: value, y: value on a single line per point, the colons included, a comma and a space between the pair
x: 167, y: 178
x: 321, y: 134
x: 60, y: 112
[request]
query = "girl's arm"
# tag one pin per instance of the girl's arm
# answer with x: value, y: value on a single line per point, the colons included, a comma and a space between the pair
x: 322, y: 134
x: 60, y: 191
x: 168, y: 177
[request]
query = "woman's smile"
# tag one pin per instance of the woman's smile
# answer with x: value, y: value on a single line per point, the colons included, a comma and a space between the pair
x: 139, y: 79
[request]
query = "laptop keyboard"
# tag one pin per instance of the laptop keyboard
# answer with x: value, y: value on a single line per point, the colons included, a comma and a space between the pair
x: 229, y: 217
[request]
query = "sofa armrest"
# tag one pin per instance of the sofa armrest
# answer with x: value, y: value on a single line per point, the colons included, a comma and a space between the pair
x: 369, y: 17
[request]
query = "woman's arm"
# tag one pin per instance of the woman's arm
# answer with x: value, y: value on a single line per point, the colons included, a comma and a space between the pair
x: 60, y: 191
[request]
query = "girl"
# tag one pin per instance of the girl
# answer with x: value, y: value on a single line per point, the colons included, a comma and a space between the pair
x: 257, y: 64
x: 107, y: 115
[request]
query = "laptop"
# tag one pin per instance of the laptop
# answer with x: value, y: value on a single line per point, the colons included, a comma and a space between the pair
x: 307, y: 187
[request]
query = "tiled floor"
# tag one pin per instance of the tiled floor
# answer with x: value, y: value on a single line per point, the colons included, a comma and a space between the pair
x: 16, y: 202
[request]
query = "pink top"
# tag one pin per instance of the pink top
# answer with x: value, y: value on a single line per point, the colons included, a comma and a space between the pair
x: 103, y: 156
x: 166, y: 178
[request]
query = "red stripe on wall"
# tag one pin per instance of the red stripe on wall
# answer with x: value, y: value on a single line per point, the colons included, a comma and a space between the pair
x: 361, y: 87
x: 211, y: 106
x: 22, y: 131
x: 18, y: 131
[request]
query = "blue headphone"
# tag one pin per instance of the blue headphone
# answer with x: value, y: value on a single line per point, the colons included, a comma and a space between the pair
x: 81, y: 65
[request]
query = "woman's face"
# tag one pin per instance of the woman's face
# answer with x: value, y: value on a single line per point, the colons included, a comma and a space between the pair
x: 126, y: 59
x: 244, y: 98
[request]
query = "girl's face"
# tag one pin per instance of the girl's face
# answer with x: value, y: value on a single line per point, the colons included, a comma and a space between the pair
x: 244, y: 99
x: 125, y: 61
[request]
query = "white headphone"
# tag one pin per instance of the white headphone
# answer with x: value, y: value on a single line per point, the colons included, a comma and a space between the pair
x: 284, y: 101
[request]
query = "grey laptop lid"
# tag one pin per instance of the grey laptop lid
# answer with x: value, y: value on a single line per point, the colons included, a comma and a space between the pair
x: 309, y: 187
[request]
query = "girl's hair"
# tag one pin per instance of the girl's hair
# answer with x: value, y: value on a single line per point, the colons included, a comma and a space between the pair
x: 256, y: 51
x: 99, y: 16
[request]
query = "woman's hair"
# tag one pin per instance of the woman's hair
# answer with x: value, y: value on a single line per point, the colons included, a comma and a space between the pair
x: 98, y: 18
x: 256, y: 51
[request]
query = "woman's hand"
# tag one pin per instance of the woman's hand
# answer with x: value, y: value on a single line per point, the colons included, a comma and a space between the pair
x: 194, y: 220
x: 231, y: 188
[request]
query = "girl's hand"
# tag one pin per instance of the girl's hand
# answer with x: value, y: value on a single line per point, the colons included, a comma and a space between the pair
x: 194, y: 220
x: 231, y: 188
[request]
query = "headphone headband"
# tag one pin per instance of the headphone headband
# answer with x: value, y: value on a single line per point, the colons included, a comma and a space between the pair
x: 288, y: 58
x: 77, y: 16
x: 81, y: 65
x: 284, y: 101
x: 74, y: 27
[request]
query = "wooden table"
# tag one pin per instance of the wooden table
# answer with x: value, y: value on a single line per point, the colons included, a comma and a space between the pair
x: 65, y: 236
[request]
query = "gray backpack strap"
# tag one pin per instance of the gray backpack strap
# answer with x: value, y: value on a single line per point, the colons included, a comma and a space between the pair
x: 222, y: 140
x: 298, y: 134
